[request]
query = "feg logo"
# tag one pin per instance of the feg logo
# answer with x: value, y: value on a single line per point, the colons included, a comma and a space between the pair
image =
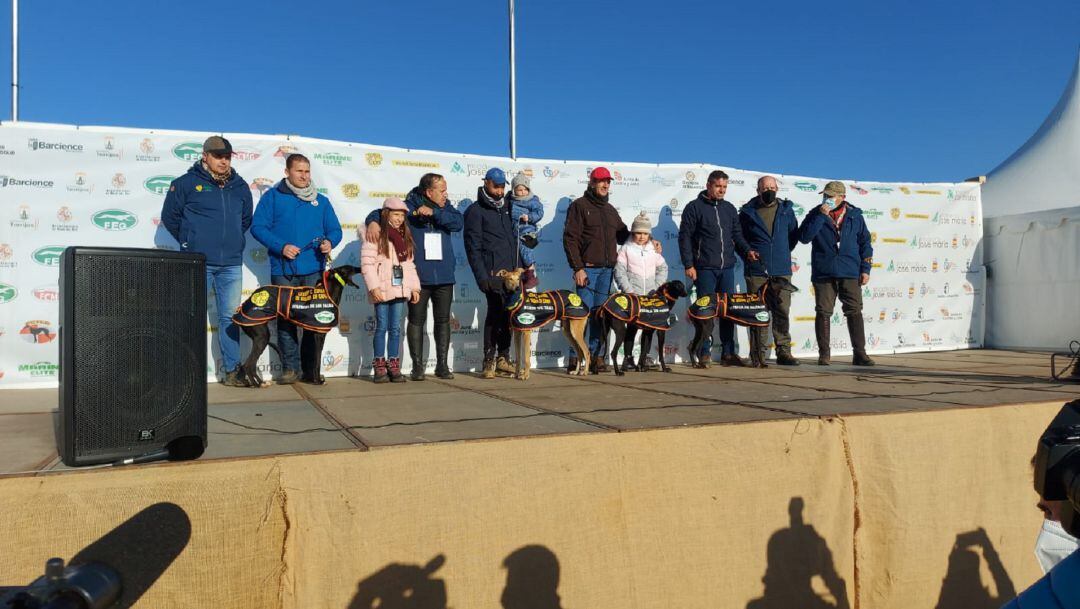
x: 114, y: 219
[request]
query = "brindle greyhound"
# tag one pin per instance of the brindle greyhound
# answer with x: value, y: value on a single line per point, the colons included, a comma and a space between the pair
x: 626, y: 329
x: 573, y: 327
x: 254, y: 316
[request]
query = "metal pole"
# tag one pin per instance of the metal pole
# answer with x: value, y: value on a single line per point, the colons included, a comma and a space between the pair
x: 14, y: 60
x: 513, y: 93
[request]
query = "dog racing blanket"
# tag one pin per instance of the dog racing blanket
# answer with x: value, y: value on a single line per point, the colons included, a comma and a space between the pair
x: 308, y: 307
x: 742, y: 309
x: 652, y: 311
x: 531, y: 310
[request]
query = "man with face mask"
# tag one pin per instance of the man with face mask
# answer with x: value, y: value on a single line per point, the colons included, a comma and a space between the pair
x: 591, y: 238
x: 208, y: 210
x: 1054, y: 543
x: 771, y: 228
x: 491, y: 245
x: 299, y: 228
x: 840, y: 260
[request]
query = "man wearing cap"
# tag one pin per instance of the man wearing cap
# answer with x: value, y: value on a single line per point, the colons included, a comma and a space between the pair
x: 771, y: 228
x: 299, y: 228
x: 208, y: 210
x: 591, y: 238
x: 840, y: 260
x: 709, y: 238
x: 491, y: 245
x: 432, y: 219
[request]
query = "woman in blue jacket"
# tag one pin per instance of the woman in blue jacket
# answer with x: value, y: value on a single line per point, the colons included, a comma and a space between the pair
x: 840, y: 261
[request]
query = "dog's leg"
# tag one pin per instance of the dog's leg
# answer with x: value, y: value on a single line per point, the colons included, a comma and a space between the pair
x: 620, y: 330
x: 702, y: 328
x: 260, y: 337
x: 525, y: 355
x: 316, y: 357
x: 631, y: 334
x: 661, y: 337
x: 573, y: 329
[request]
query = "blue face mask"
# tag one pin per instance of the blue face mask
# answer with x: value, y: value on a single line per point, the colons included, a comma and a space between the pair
x: 830, y: 203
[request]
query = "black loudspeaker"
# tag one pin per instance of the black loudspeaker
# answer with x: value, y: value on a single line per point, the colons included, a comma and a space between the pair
x: 132, y: 353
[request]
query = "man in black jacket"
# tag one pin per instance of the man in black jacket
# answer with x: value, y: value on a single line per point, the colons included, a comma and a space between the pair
x: 709, y: 238
x: 491, y: 245
x: 591, y: 238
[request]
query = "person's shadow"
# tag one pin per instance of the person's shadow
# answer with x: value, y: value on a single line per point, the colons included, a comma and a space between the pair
x: 796, y: 556
x: 532, y: 579
x: 401, y: 586
x: 963, y: 587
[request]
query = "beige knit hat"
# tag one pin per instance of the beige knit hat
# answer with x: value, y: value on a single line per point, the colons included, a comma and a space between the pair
x: 641, y: 224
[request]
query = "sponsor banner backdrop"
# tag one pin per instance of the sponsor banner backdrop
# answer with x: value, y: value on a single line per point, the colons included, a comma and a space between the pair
x: 61, y: 185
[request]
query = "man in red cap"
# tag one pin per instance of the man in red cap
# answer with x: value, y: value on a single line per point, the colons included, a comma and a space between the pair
x: 593, y: 233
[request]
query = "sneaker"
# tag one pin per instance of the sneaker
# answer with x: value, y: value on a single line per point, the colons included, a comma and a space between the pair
x: 288, y: 377
x: 489, y: 369
x: 732, y: 359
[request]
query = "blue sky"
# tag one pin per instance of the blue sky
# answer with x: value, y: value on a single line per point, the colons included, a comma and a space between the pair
x: 896, y: 91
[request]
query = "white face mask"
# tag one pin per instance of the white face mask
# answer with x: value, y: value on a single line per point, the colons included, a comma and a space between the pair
x: 1053, y: 545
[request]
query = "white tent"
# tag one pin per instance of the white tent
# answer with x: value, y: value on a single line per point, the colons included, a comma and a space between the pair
x: 1031, y: 240
x: 1045, y: 172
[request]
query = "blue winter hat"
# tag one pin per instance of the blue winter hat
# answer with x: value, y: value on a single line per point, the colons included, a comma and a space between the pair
x: 495, y: 175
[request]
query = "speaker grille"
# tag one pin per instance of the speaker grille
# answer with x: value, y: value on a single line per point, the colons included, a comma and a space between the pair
x: 137, y: 358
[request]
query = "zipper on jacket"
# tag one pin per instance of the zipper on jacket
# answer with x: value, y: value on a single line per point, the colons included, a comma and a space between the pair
x: 716, y: 209
x: 224, y: 230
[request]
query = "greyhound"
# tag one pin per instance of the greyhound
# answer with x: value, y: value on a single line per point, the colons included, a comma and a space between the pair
x: 314, y: 308
x: 625, y: 314
x: 532, y: 310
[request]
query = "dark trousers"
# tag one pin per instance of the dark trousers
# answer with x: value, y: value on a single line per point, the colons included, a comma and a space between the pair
x: 497, y: 334
x: 287, y: 332
x: 826, y: 292
x: 440, y: 297
x: 722, y: 281
x: 778, y: 296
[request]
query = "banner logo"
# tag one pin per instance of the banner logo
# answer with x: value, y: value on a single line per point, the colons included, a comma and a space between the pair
x: 158, y: 185
x: 48, y: 255
x: 114, y: 219
x: 8, y: 293
x: 37, y: 331
x: 188, y: 151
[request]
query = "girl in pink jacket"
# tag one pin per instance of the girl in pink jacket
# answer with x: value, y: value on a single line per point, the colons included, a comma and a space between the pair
x: 639, y: 269
x: 391, y: 279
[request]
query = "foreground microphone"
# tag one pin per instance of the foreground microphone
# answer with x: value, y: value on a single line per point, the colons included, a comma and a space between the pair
x: 180, y: 449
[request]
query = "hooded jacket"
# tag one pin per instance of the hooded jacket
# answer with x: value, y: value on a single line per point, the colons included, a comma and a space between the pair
x: 282, y: 218
x: 775, y: 248
x: 206, y: 218
x: 843, y: 255
x: 710, y: 234
x: 491, y: 240
x: 444, y: 221
x: 593, y: 233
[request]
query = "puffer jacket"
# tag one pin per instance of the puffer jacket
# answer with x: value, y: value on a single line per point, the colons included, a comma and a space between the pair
x: 639, y: 269
x: 378, y: 272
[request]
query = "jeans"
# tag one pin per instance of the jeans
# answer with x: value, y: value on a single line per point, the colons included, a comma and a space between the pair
x: 286, y: 331
x: 497, y: 335
x: 722, y: 281
x: 594, y: 295
x: 226, y: 282
x: 388, y: 328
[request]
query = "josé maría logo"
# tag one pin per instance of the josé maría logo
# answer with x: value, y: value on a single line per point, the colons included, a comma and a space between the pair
x: 114, y: 219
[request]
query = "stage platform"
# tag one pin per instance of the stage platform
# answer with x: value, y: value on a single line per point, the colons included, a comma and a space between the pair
x: 351, y: 413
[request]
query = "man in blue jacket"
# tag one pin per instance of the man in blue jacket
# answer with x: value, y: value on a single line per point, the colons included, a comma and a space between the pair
x: 299, y: 228
x: 208, y: 210
x: 432, y: 218
x: 491, y: 245
x: 709, y: 238
x: 771, y: 229
x: 840, y: 261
